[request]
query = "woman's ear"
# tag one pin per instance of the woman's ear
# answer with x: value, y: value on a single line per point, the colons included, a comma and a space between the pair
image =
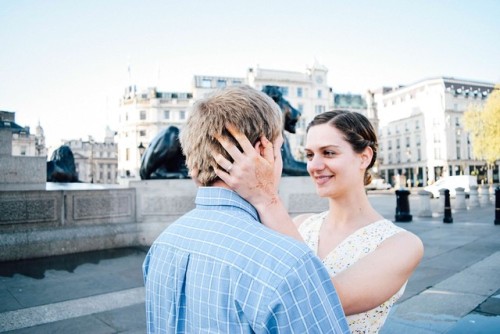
x: 366, y: 157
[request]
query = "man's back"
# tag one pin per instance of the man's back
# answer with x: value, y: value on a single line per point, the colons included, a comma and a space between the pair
x: 217, y: 269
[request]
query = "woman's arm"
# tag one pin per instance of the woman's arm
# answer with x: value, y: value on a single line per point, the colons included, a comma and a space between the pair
x: 363, y: 286
x: 379, y: 275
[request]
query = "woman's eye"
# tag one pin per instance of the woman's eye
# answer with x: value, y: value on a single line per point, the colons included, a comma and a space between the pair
x: 329, y: 153
x: 309, y: 156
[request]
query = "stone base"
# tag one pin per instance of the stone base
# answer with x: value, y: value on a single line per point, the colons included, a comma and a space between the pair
x: 71, y: 220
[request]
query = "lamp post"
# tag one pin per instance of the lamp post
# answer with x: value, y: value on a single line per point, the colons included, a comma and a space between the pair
x: 141, y: 148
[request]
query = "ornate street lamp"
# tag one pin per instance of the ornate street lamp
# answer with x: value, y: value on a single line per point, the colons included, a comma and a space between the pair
x: 141, y: 149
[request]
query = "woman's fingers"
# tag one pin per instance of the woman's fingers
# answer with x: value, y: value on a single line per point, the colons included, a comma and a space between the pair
x: 240, y: 138
x: 230, y: 148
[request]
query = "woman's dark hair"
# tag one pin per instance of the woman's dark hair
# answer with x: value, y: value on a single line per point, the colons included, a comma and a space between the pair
x: 357, y: 130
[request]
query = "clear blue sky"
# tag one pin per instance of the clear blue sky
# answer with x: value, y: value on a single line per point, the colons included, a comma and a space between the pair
x: 64, y: 63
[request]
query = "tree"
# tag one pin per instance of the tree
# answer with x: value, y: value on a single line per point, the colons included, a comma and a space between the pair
x: 483, y: 125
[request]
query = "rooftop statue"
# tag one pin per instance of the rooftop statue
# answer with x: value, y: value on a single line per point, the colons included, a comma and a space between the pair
x: 61, y: 167
x: 163, y: 158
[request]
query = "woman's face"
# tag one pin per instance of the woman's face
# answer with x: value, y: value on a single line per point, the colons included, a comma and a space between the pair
x: 333, y: 165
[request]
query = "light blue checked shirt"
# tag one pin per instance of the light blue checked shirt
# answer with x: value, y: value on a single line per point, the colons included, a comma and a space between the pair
x: 217, y: 269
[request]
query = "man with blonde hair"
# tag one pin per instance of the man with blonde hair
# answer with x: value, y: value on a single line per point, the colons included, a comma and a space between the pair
x: 217, y: 269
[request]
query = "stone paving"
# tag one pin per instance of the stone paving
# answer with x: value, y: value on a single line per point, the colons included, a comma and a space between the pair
x: 456, y: 288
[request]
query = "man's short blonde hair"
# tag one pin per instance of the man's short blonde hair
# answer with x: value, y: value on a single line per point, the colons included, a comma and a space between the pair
x: 252, y: 112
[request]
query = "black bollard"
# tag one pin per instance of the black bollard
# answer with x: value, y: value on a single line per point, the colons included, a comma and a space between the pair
x: 403, y: 206
x: 497, y: 206
x: 447, y: 208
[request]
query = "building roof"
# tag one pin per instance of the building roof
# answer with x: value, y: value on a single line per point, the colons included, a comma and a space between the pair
x: 14, y: 127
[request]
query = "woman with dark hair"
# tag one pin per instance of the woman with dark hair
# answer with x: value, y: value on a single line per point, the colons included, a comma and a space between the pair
x: 368, y: 257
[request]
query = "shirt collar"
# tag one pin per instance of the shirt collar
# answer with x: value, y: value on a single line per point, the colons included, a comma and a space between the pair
x: 218, y: 196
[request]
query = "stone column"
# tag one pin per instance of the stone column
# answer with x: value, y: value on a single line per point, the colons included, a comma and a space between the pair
x: 460, y: 199
x: 484, y: 195
x: 473, y: 197
x: 425, y: 204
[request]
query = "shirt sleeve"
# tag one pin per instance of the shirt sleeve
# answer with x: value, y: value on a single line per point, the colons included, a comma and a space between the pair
x: 306, y: 302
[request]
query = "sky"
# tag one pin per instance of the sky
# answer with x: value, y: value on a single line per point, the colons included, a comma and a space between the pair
x: 65, y: 64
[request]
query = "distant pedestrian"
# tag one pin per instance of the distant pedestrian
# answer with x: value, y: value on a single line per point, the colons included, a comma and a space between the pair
x: 217, y: 269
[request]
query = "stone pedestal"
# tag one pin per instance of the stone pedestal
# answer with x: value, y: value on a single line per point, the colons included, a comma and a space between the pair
x: 460, y: 199
x: 473, y: 197
x: 484, y: 195
x: 425, y: 204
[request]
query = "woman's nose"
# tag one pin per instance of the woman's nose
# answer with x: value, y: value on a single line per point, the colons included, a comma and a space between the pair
x: 316, y: 163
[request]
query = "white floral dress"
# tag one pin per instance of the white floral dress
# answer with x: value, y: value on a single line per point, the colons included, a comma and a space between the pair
x: 354, y: 247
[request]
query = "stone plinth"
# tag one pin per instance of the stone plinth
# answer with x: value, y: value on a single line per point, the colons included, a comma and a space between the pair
x: 460, y: 199
x: 72, y: 218
x: 425, y: 204
x: 484, y: 195
x: 47, y: 223
x: 20, y: 172
x: 299, y: 195
x: 161, y: 202
x: 473, y: 197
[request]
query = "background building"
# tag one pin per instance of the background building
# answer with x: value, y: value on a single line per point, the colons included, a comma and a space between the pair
x: 143, y: 114
x: 422, y: 135
x: 23, y: 142
x: 95, y: 162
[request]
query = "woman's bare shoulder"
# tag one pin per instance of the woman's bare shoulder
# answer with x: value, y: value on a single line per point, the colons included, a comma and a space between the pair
x: 405, y: 243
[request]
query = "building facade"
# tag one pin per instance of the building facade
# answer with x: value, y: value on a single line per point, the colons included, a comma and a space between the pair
x: 143, y: 114
x: 95, y: 162
x: 421, y: 131
x: 23, y: 142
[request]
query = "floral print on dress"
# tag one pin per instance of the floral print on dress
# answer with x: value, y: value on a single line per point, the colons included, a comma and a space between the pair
x: 353, y: 248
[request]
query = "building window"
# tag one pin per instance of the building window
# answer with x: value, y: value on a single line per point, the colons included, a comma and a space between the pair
x: 206, y: 83
x: 127, y: 154
x: 237, y: 82
x: 182, y: 114
x: 142, y: 133
x: 299, y: 92
x: 319, y: 109
x: 284, y: 91
x: 166, y: 114
x: 221, y: 83
x: 142, y: 116
x: 109, y: 175
x: 300, y: 107
x: 320, y: 94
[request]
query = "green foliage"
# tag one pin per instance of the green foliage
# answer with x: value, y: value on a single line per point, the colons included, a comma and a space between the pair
x: 483, y: 124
